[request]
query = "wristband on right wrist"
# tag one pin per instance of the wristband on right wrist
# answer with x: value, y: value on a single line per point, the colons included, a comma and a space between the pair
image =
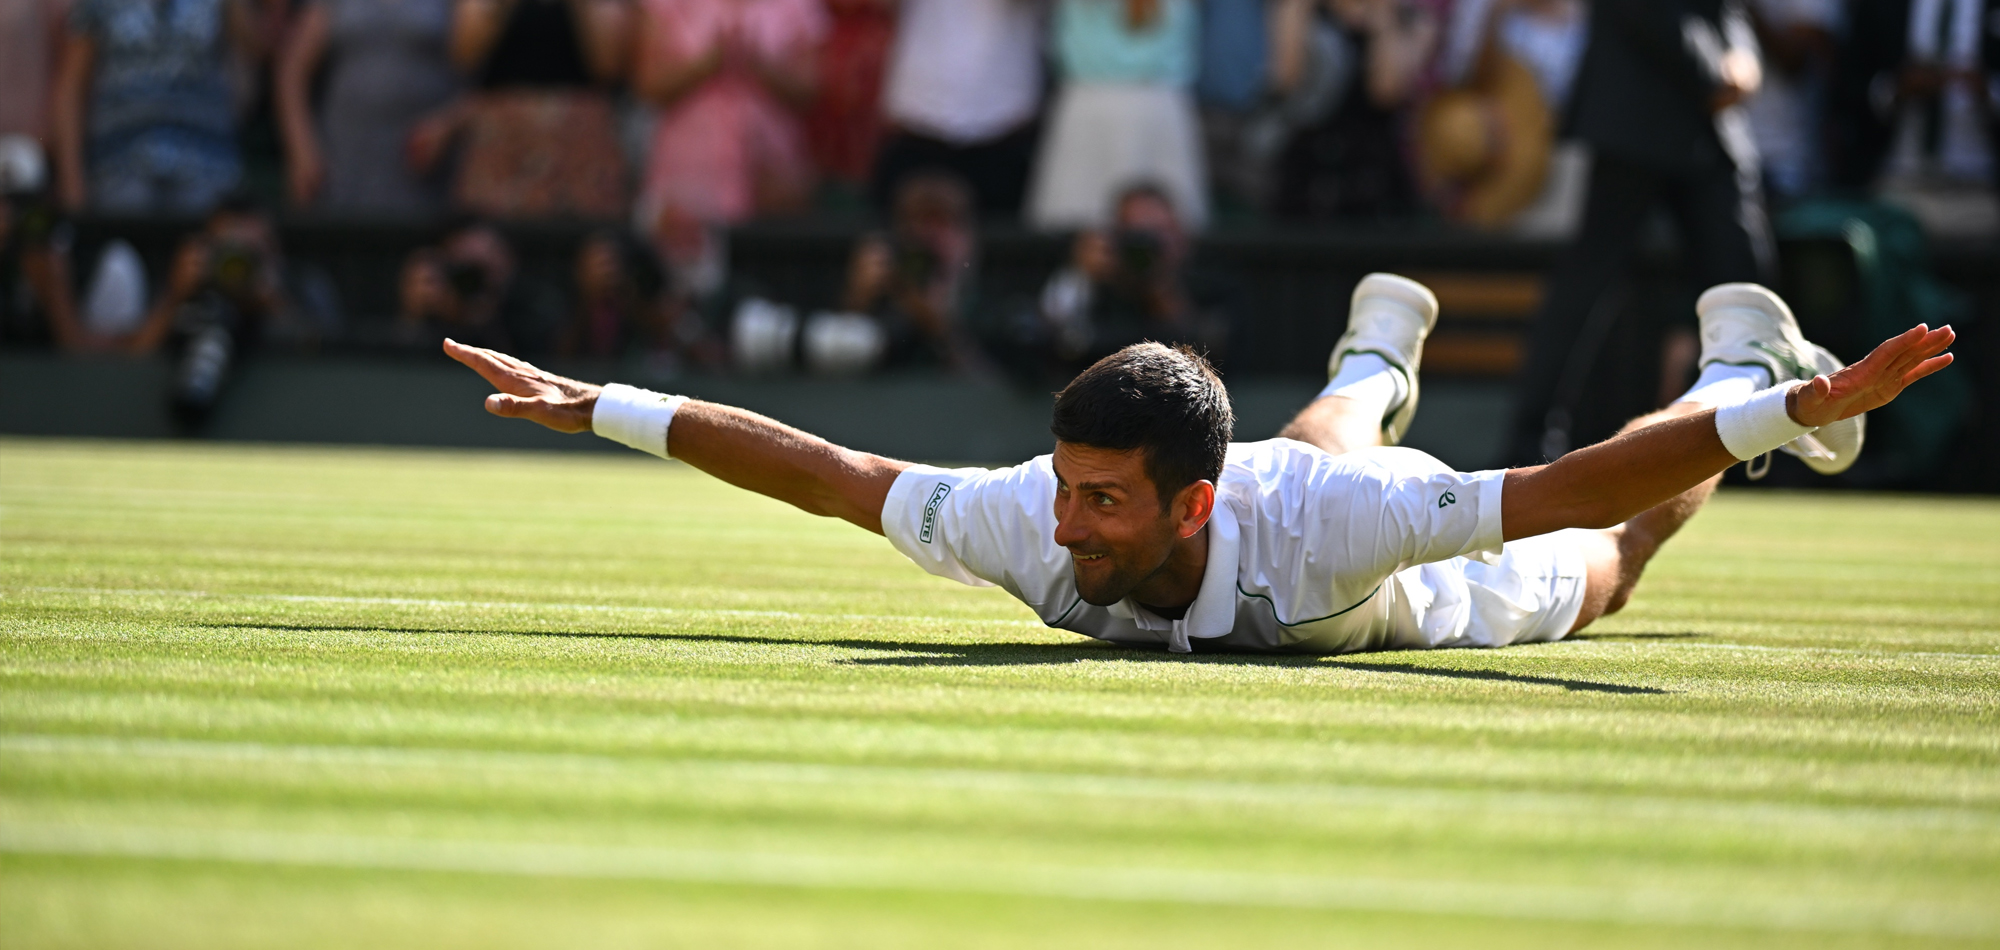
x: 1759, y: 424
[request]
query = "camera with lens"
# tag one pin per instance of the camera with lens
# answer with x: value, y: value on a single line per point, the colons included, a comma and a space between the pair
x: 235, y: 269
x: 916, y: 264
x: 33, y: 219
x: 31, y: 213
x: 1140, y: 253
x: 467, y: 279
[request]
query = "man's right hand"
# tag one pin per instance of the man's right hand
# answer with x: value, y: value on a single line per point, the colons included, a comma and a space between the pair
x: 526, y: 392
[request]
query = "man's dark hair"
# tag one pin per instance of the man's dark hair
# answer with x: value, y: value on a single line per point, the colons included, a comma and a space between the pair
x: 1165, y: 400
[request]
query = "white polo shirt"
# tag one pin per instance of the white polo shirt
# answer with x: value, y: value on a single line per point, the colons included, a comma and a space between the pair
x: 1306, y: 551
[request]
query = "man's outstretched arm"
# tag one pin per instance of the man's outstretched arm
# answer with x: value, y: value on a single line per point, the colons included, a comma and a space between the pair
x: 1610, y: 482
x: 735, y: 445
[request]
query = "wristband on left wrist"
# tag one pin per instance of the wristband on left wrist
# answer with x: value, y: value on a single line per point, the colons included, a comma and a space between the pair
x: 1760, y: 423
x: 635, y: 417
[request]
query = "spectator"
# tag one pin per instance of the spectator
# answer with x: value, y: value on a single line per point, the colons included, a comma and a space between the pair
x: 844, y: 128
x: 1916, y: 95
x: 914, y: 281
x: 731, y: 79
x: 1797, y: 37
x: 1133, y: 282
x: 701, y: 293
x: 1235, y: 56
x: 1659, y: 101
x: 1232, y: 82
x: 625, y: 306
x: 1545, y: 36
x: 144, y: 112
x: 1253, y: 89
x: 964, y: 87
x: 1486, y: 142
x: 37, y: 307
x: 387, y: 68
x: 539, y: 138
x: 259, y: 140
x: 31, y: 35
x: 1124, y: 113
x: 620, y: 297
x: 1351, y: 163
x: 461, y: 288
x: 225, y: 290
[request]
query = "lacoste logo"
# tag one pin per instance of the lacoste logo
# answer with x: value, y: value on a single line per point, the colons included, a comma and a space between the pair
x: 1448, y: 499
x: 930, y: 513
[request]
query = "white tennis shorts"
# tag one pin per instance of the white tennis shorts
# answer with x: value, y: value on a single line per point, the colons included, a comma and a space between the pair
x: 1533, y: 593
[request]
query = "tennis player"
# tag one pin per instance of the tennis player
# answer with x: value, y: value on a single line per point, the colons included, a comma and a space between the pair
x: 1147, y: 525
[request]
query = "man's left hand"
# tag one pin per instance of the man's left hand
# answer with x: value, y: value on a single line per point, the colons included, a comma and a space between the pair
x: 526, y: 392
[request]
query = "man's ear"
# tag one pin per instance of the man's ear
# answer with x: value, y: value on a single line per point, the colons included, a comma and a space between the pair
x: 1192, y: 507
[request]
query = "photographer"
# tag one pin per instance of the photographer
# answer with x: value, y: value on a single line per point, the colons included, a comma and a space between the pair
x: 914, y: 281
x: 226, y: 286
x: 1124, y: 286
x: 460, y: 288
x: 36, y: 305
x: 626, y: 304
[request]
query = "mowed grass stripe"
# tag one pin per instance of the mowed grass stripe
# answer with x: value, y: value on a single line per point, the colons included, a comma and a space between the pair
x: 1530, y: 901
x: 646, y: 680
x: 554, y: 768
x: 521, y: 607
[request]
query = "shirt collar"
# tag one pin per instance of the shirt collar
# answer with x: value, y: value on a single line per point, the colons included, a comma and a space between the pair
x: 1213, y: 613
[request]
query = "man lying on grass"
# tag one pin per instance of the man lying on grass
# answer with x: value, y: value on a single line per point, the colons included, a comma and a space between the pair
x: 1148, y: 525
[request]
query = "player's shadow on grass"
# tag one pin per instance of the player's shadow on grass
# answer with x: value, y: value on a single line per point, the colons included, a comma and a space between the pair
x: 1013, y: 655
x: 1686, y: 635
x: 1574, y: 686
x: 917, y: 654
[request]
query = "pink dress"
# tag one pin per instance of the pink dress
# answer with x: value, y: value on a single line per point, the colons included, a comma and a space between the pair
x: 727, y: 141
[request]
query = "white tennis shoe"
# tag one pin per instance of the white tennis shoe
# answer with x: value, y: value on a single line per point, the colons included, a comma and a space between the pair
x: 1748, y: 325
x: 1390, y: 317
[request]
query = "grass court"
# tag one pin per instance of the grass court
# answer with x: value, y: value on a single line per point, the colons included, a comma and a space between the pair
x: 328, y: 696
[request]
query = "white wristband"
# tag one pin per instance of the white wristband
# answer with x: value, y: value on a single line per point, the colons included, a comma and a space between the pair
x: 636, y: 417
x: 1758, y: 424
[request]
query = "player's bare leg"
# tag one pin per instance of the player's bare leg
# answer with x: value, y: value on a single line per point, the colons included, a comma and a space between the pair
x: 1616, y: 557
x: 1371, y: 395
x: 1749, y: 340
x: 1337, y: 424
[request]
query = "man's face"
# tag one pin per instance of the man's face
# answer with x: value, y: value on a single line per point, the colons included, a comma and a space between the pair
x: 1108, y: 516
x: 1148, y: 213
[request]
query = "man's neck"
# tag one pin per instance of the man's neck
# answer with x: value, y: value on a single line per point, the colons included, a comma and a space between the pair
x: 1173, y: 587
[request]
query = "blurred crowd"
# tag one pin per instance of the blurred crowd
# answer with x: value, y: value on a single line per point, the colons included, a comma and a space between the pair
x: 1134, y: 124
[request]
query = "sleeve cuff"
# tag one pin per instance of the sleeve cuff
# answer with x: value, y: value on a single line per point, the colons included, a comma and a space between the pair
x: 1490, y: 539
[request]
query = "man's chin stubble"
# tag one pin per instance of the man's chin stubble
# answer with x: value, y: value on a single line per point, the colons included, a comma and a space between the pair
x: 1097, y: 598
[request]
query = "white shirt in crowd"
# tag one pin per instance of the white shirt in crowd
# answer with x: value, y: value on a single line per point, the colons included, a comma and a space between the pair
x: 1946, y: 33
x: 1548, y: 39
x: 1382, y: 548
x: 965, y: 71
x: 1784, y: 111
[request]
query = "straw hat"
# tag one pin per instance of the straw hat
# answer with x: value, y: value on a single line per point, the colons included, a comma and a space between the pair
x: 1485, y: 146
